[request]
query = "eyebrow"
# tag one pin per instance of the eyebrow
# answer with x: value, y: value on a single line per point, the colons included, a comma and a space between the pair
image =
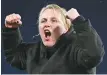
x: 43, y: 18
x: 53, y: 18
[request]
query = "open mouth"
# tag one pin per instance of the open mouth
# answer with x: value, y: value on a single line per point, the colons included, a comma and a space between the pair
x: 47, y: 33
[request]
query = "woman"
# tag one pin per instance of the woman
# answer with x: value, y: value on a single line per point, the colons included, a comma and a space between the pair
x: 68, y: 45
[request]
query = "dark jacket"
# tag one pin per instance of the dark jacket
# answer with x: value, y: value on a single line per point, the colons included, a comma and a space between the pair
x: 78, y: 51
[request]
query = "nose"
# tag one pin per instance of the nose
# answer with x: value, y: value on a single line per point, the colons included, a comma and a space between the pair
x: 46, y: 25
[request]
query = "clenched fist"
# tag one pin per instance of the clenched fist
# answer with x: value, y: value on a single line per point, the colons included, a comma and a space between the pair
x: 72, y: 14
x: 13, y: 21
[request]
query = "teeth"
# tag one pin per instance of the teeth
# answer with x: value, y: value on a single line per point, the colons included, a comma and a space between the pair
x: 46, y: 31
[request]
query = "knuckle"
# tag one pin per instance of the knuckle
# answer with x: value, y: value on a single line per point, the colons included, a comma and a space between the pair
x: 18, y: 16
x: 12, y: 18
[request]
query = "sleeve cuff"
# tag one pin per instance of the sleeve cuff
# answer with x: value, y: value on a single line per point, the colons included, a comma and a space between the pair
x: 8, y: 29
x: 78, y: 20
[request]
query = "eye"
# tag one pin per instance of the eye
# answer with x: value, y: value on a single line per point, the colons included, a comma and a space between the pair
x: 54, y: 20
x: 43, y: 20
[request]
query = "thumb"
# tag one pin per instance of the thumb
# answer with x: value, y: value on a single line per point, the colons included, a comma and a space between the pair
x: 19, y: 22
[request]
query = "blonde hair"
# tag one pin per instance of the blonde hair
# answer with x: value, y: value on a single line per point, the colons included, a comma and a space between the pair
x: 63, y: 11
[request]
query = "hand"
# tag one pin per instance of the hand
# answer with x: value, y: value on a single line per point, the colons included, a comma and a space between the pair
x: 72, y: 14
x: 13, y: 21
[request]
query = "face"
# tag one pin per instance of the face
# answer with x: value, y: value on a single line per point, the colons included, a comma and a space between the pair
x: 51, y: 26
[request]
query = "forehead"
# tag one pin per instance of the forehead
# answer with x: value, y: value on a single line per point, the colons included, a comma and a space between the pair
x: 50, y: 13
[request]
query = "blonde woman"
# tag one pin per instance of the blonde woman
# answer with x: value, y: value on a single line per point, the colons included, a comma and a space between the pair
x: 69, y: 44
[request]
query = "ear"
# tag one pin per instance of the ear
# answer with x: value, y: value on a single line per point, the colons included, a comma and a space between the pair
x: 68, y: 22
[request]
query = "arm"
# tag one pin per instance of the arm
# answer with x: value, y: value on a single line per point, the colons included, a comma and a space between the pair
x: 88, y: 47
x: 14, y: 48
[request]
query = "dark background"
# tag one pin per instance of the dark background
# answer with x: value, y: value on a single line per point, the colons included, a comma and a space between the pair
x: 95, y: 10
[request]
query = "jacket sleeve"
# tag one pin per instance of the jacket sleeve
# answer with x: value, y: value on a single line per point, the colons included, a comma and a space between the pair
x: 15, y: 50
x: 88, y: 47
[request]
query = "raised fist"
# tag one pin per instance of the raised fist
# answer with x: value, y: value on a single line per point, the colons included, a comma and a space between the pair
x: 13, y: 21
x: 72, y: 14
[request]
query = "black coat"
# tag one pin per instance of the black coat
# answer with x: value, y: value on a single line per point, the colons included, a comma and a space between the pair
x: 78, y: 51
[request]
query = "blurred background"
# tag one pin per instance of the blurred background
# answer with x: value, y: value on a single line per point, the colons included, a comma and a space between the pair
x: 95, y: 10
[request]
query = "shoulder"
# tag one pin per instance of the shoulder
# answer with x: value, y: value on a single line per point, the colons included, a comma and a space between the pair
x: 33, y: 47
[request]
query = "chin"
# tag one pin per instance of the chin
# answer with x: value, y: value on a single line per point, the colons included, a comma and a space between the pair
x: 49, y: 44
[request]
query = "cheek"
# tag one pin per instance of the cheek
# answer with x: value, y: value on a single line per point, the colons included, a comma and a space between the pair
x: 59, y: 28
x: 40, y: 30
x: 55, y: 26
